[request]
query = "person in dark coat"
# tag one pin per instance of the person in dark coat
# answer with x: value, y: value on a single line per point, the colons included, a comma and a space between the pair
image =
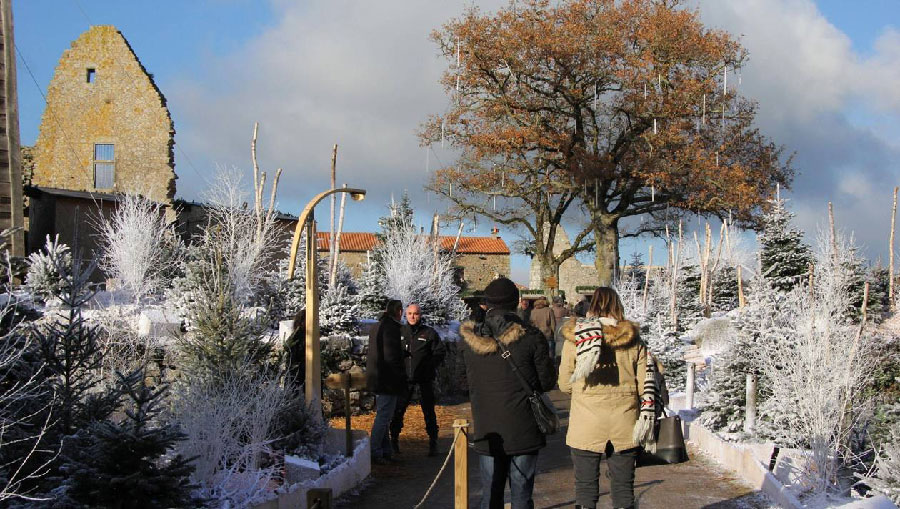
x: 295, y: 349
x: 524, y: 310
x: 505, y: 433
x: 581, y: 308
x: 386, y: 377
x: 424, y: 352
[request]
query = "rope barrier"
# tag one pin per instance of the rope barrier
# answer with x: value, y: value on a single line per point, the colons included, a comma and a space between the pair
x: 459, y: 431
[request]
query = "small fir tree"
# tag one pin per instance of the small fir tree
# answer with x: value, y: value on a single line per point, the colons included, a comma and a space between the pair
x: 46, y: 268
x: 129, y: 463
x: 784, y: 257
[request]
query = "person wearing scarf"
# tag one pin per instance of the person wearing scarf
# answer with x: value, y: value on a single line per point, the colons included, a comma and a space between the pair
x: 604, y: 368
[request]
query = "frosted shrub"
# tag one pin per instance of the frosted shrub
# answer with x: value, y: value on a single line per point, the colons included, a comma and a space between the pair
x: 47, y: 267
x: 887, y: 475
x: 817, y: 370
x: 246, y: 239
x: 230, y: 427
x: 137, y: 247
x: 416, y: 271
x: 338, y: 310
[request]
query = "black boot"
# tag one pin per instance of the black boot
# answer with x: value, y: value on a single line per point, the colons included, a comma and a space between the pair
x: 395, y: 444
x: 432, y: 446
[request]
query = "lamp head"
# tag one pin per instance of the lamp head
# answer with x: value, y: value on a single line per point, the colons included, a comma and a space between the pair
x: 358, y: 196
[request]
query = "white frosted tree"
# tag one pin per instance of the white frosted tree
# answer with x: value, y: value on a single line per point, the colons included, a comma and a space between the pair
x: 47, y: 267
x: 818, y: 369
x: 137, y: 246
x: 247, y: 238
x: 416, y: 270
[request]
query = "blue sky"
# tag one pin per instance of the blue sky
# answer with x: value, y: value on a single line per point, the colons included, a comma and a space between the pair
x: 363, y: 75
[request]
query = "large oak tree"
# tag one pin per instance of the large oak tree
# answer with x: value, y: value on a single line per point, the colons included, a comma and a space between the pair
x: 601, y: 110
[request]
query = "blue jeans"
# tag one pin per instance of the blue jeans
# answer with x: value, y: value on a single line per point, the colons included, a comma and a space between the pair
x: 519, y: 469
x: 380, y: 439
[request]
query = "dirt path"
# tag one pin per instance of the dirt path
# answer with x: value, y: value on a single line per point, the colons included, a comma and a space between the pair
x: 700, y: 483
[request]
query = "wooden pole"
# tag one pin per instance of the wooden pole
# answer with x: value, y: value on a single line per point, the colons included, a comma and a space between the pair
x: 313, y: 348
x: 740, y: 282
x: 750, y: 412
x: 689, y: 385
x: 331, y: 238
x: 891, y: 254
x: 345, y: 381
x: 833, y: 233
x: 461, y: 465
x: 647, y: 277
x: 336, y: 248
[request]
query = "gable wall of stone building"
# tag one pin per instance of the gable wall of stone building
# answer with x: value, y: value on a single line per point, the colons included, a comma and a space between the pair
x: 122, y: 106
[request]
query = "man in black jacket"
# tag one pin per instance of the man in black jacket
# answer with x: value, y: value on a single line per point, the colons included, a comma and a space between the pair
x: 505, y: 433
x: 386, y: 377
x: 424, y: 352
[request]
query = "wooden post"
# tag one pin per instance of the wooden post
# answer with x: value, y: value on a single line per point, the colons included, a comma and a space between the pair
x: 750, y: 411
x: 833, y: 233
x: 313, y: 347
x: 647, y: 277
x: 345, y: 381
x: 891, y: 254
x: 740, y: 281
x: 333, y: 198
x: 461, y: 465
x: 336, y: 247
x: 689, y: 385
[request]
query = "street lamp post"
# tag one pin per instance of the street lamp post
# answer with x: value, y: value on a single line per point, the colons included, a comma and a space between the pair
x: 313, y: 382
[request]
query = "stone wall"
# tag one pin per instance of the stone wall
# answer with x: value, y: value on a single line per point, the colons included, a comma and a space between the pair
x: 481, y: 269
x: 119, y: 105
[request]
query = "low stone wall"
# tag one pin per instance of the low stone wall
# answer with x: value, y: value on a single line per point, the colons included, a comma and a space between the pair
x: 340, y: 480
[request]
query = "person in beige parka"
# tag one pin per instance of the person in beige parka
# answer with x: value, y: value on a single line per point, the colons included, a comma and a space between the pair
x: 606, y: 395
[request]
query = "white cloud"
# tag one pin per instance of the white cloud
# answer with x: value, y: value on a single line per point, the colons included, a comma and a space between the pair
x: 364, y: 75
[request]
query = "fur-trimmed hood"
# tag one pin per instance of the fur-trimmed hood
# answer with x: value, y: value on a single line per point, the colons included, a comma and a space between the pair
x: 616, y: 335
x: 485, y: 345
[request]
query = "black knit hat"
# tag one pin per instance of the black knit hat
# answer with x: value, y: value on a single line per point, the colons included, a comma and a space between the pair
x: 501, y: 293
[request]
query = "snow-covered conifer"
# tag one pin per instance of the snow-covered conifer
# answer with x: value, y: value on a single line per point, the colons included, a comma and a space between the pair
x: 785, y: 258
x: 46, y: 268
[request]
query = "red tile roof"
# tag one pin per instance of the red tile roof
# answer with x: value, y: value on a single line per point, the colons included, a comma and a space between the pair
x: 363, y: 241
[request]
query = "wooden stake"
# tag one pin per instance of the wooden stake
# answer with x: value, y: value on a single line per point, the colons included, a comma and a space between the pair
x: 750, y: 410
x: 647, y: 277
x: 891, y: 254
x: 833, y: 233
x: 313, y: 383
x: 332, y: 234
x: 336, y: 248
x: 740, y: 282
x: 461, y: 465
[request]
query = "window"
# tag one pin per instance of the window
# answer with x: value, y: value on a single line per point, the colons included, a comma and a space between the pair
x: 104, y: 165
x: 91, y: 75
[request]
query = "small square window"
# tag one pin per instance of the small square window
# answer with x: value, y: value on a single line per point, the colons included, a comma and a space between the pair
x: 91, y: 75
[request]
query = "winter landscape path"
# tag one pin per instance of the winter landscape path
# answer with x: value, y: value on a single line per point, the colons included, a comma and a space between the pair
x: 700, y: 483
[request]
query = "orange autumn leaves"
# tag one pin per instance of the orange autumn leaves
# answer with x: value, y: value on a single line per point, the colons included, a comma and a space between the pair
x: 603, y: 100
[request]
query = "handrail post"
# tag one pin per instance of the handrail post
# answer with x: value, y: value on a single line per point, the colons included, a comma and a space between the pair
x: 461, y: 465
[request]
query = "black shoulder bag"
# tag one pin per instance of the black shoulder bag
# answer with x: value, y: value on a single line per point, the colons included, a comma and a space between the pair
x: 541, y: 407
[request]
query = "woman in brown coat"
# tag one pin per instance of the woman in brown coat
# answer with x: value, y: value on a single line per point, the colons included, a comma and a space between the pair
x: 603, y: 367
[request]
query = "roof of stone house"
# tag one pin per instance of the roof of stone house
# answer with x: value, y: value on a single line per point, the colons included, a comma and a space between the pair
x: 71, y: 193
x: 365, y: 241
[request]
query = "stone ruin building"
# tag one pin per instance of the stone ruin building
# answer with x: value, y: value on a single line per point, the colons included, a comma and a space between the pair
x: 106, y: 127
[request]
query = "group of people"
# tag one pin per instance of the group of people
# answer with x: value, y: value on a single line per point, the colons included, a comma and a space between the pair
x: 603, y: 365
x: 402, y: 358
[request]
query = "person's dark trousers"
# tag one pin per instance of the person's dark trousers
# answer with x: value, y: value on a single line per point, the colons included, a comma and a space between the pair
x: 519, y: 469
x: 426, y: 399
x: 587, y: 477
x: 385, y: 404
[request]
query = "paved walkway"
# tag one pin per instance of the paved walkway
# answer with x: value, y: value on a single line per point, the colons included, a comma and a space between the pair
x: 699, y: 483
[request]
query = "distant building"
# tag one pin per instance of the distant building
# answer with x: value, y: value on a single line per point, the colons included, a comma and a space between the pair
x: 572, y: 273
x: 106, y: 127
x: 479, y: 260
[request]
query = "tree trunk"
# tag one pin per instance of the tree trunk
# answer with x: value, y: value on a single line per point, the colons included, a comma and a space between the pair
x: 548, y: 270
x: 606, y: 250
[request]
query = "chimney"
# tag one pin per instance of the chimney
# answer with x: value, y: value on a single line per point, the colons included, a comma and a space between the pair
x: 495, y: 232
